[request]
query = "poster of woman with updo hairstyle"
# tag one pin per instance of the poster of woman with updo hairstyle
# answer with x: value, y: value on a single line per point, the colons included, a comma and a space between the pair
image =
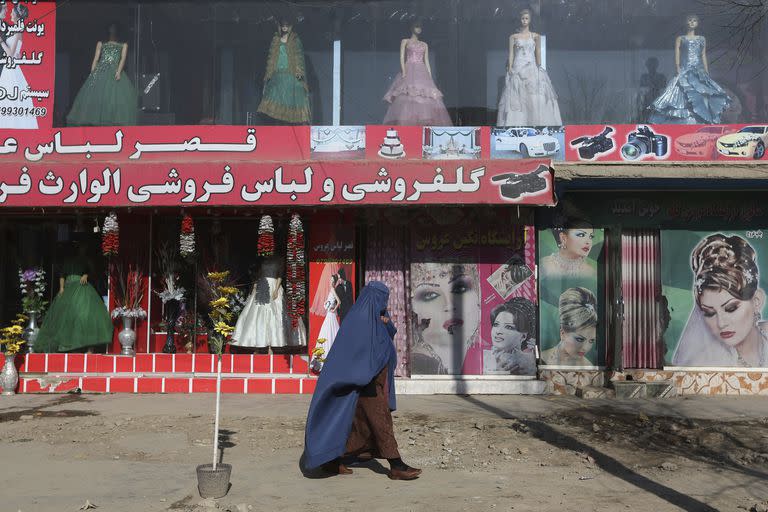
x: 716, y: 295
x: 570, y: 257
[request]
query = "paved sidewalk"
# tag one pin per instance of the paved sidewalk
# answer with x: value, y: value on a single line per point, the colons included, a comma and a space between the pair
x: 295, y: 406
x: 138, y: 453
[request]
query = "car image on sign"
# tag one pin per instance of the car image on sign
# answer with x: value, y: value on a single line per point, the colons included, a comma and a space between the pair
x: 749, y: 142
x: 529, y: 142
x: 702, y: 143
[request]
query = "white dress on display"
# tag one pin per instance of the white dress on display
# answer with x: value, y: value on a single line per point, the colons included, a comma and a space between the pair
x: 15, y: 112
x: 330, y: 326
x: 262, y: 321
x: 528, y: 98
x: 328, y: 331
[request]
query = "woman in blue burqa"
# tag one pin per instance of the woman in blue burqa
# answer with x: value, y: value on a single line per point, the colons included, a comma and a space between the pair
x: 350, y: 417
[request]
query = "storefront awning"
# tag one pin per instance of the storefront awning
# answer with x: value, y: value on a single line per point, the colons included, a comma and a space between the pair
x: 235, y: 166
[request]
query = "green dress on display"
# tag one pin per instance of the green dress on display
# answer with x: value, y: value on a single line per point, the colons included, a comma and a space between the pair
x: 286, y: 97
x: 76, y: 318
x: 104, y: 101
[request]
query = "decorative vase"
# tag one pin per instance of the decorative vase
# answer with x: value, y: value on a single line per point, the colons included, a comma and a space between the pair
x: 9, y: 377
x: 170, y: 341
x: 31, y: 331
x: 127, y: 337
x: 172, y: 311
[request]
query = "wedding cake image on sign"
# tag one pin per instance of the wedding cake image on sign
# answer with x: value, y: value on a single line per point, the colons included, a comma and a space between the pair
x: 392, y: 147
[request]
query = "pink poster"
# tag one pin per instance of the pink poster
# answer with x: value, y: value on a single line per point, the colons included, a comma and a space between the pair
x: 472, y: 301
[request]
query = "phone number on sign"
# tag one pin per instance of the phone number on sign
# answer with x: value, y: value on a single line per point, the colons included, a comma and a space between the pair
x: 23, y: 111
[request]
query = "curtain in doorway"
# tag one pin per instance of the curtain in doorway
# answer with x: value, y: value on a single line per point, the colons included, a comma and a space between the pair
x: 387, y: 260
x: 643, y: 320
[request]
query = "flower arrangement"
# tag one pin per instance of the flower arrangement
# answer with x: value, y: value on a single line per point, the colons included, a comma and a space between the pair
x: 295, y: 271
x: 187, y: 237
x: 129, y: 294
x: 110, y: 236
x: 190, y: 327
x: 266, y: 242
x: 32, y: 284
x: 220, y: 298
x: 11, y: 336
x: 168, y: 264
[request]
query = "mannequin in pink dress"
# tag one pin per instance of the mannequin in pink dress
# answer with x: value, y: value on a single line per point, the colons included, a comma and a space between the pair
x: 413, y: 97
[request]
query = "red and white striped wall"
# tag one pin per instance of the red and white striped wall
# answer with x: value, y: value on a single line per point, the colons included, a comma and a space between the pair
x: 164, y: 373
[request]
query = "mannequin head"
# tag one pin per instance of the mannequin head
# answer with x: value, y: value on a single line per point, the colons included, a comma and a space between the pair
x: 285, y: 26
x: 113, y: 32
x: 19, y: 12
x: 525, y: 19
x: 692, y: 22
x: 416, y: 27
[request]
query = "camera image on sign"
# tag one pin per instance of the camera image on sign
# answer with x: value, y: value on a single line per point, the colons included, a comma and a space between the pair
x: 589, y: 147
x: 644, y: 142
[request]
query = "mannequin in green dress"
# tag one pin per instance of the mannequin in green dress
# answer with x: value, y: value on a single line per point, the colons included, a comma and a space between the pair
x: 286, y: 96
x: 77, y: 318
x: 107, y: 98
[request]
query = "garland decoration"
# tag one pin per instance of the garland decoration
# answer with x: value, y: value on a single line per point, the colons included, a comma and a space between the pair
x: 266, y: 242
x: 110, y: 236
x: 187, y: 237
x: 295, y: 271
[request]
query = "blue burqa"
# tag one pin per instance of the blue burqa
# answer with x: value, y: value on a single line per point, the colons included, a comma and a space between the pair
x: 362, y: 348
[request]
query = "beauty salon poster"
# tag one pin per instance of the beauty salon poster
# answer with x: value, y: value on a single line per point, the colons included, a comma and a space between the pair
x: 714, y: 285
x: 569, y: 312
x: 473, y: 296
x: 27, y: 73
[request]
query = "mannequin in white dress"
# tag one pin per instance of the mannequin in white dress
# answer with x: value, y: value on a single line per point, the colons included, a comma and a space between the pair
x: 528, y: 98
x: 262, y: 322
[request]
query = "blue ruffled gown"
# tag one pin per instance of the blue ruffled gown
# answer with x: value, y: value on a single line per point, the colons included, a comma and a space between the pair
x: 691, y: 97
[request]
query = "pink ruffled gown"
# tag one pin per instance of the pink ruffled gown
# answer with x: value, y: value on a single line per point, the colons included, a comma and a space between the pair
x: 415, y: 99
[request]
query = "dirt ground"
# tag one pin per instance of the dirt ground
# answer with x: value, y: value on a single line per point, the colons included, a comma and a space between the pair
x: 138, y: 453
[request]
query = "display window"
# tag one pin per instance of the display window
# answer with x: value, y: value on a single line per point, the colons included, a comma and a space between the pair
x: 120, y: 282
x: 544, y: 63
x: 462, y: 289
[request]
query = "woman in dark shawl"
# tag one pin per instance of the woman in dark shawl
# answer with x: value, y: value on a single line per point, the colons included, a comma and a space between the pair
x: 350, y: 414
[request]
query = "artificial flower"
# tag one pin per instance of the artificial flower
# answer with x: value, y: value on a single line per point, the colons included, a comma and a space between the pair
x: 218, y: 277
x: 224, y: 329
x: 220, y: 303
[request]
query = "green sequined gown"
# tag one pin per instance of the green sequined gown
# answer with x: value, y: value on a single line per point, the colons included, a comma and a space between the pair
x: 77, y: 318
x: 104, y: 101
x: 285, y: 95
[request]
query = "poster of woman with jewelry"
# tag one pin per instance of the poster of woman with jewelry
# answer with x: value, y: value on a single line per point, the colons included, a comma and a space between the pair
x: 715, y: 289
x: 569, y: 316
x: 472, y: 302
